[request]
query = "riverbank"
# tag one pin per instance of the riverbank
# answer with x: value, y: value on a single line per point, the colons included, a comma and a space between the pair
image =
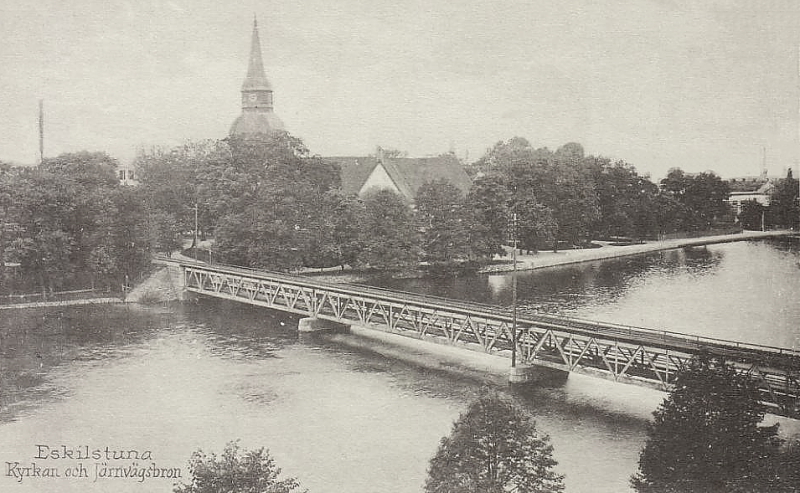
x: 608, y: 251
x: 81, y: 301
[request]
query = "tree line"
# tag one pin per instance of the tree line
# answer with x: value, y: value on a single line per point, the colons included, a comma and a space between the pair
x: 68, y: 224
x: 270, y: 203
x: 565, y: 197
x: 783, y: 210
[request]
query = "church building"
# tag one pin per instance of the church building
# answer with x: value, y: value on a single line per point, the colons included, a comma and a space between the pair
x: 402, y: 175
x: 257, y: 115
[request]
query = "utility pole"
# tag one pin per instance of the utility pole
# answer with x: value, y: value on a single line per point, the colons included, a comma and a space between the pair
x: 514, y: 292
x: 195, y: 231
x: 41, y: 131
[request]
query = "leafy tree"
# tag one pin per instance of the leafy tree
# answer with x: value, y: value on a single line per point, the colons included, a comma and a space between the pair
x: 235, y: 471
x: 626, y: 201
x: 69, y: 224
x: 165, y: 235
x: 388, y: 234
x: 706, y: 437
x: 752, y: 214
x: 334, y: 232
x: 536, y: 226
x: 169, y: 180
x: 704, y: 197
x: 263, y: 198
x: 560, y: 181
x: 784, y: 207
x: 488, y: 201
x: 494, y: 447
x: 442, y: 221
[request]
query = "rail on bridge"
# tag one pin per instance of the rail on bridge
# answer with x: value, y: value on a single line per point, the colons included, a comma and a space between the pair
x: 620, y: 353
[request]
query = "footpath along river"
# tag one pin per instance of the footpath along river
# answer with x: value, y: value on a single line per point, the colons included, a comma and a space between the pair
x: 171, y: 379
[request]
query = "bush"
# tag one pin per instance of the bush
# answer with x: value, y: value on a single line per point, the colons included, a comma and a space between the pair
x: 235, y: 472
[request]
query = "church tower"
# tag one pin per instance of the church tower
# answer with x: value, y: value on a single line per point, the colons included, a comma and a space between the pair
x: 257, y: 116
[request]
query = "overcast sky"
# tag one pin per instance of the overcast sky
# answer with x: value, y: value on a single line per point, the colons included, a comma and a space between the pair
x: 699, y: 85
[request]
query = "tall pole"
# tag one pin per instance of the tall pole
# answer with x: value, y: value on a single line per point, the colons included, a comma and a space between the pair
x: 195, y: 231
x: 514, y: 294
x: 41, y: 131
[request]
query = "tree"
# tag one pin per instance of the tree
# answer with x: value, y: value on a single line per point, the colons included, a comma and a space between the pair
x: 536, y: 226
x: 704, y: 197
x: 334, y: 233
x: 388, y: 235
x: 165, y: 235
x: 494, y: 447
x: 263, y: 198
x: 488, y: 200
x: 443, y: 222
x: 561, y: 182
x: 706, y: 437
x: 752, y: 215
x: 784, y: 207
x: 69, y: 224
x: 626, y: 200
x: 235, y: 472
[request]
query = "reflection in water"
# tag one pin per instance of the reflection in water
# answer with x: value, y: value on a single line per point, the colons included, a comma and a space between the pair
x: 340, y: 418
x: 744, y: 291
x: 345, y: 418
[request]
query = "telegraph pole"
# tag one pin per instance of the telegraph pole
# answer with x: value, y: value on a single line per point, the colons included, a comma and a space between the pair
x: 41, y: 131
x: 195, y: 231
x: 514, y: 293
x: 512, y: 233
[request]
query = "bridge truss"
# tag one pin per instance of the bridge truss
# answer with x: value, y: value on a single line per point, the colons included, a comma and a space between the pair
x: 624, y: 354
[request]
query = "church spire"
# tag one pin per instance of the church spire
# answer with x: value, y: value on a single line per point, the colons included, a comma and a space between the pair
x: 256, y: 79
x: 257, y: 116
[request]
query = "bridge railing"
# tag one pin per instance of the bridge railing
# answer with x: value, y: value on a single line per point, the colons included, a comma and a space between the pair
x: 524, y: 316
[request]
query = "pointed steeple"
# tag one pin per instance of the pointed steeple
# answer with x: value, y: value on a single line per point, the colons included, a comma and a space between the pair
x: 257, y: 116
x: 256, y: 79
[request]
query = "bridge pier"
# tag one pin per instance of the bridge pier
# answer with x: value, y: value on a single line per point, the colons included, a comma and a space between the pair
x: 520, y: 374
x: 314, y: 324
x: 525, y: 374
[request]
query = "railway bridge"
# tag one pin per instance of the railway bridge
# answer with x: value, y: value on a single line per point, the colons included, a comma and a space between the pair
x: 624, y: 354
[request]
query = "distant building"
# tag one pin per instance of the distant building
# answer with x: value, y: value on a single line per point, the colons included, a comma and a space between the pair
x: 257, y: 105
x: 126, y: 174
x: 746, y: 188
x: 402, y: 175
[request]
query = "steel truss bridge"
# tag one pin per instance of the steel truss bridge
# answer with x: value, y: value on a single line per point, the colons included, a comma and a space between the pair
x: 624, y: 354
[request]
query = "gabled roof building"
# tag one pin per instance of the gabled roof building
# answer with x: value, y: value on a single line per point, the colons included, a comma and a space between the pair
x: 402, y: 175
x: 756, y: 188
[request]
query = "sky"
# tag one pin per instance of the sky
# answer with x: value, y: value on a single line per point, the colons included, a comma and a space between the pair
x: 700, y: 85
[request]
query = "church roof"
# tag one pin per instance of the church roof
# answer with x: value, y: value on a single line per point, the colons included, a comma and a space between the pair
x: 411, y: 173
x: 354, y: 171
x: 256, y: 78
x: 408, y: 174
x: 256, y: 122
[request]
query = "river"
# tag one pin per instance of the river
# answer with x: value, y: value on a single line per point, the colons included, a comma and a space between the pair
x: 171, y: 379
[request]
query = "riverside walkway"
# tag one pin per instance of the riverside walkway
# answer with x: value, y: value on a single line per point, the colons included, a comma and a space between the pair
x: 544, y: 259
x: 624, y: 354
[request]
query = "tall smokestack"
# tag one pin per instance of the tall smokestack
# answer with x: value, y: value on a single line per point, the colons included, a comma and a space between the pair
x: 41, y: 131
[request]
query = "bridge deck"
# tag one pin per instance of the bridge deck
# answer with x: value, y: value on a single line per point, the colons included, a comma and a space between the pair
x: 623, y: 353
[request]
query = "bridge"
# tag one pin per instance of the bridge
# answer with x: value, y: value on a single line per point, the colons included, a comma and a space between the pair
x: 620, y: 353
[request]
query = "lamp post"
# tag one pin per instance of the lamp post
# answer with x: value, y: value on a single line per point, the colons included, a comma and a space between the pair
x: 195, y: 231
x: 514, y: 292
